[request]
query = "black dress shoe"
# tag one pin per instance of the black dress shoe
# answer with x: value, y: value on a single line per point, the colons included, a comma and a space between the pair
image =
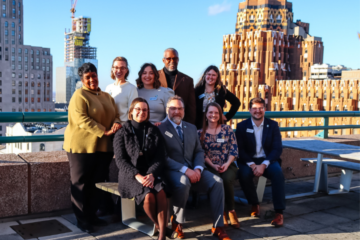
x: 98, y: 222
x: 85, y: 227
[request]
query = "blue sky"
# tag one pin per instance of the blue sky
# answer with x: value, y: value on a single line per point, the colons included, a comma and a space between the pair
x: 140, y: 30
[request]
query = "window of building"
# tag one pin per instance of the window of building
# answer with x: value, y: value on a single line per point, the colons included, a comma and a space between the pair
x: 19, y: 99
x: 26, y: 51
x: 12, y: 33
x: 38, y: 102
x: 47, y: 60
x: 26, y: 100
x: 47, y: 69
x: 26, y: 91
x: 42, y: 147
x: 38, y: 92
x: 26, y: 83
x: 19, y: 67
x: 13, y: 3
x: 305, y: 59
x: 32, y: 84
x: 32, y: 51
x: 37, y: 52
x: 26, y: 67
x: 4, y: 7
x: 19, y: 29
x: 43, y: 60
x: 13, y: 91
x: 37, y: 60
x: 20, y: 83
x: 6, y: 24
x: 0, y: 91
x: 306, y: 51
x: 13, y: 100
x: 32, y: 76
x: 39, y: 76
x: 32, y: 100
x: 6, y: 32
x: 1, y: 101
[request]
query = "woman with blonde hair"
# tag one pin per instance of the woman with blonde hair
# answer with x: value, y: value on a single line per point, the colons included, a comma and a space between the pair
x: 121, y: 90
x: 220, y: 148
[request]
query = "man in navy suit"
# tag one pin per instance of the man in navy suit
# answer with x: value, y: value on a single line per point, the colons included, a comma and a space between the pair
x: 260, y: 147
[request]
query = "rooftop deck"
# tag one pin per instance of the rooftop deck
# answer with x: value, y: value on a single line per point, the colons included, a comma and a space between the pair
x: 315, y: 217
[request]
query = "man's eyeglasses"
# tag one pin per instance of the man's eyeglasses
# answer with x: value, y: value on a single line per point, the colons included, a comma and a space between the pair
x: 141, y: 110
x: 120, y: 68
x: 258, y: 109
x: 175, y: 108
x: 175, y: 59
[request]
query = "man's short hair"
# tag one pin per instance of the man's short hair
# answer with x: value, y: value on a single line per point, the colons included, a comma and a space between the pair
x: 173, y: 50
x: 176, y: 97
x: 256, y: 100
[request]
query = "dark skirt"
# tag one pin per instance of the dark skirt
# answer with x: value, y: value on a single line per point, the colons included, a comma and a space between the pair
x: 158, y: 186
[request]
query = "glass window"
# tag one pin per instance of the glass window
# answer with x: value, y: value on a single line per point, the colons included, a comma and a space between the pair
x: 13, y: 100
x: 47, y: 60
x: 26, y: 51
x: 4, y: 7
x: 19, y: 58
x: 32, y: 51
x: 6, y: 24
x: 39, y: 77
x: 6, y: 32
x: 37, y: 52
x: 13, y: 3
x: 12, y: 24
x: 13, y: 11
x: 20, y: 101
x: 13, y: 91
x: 20, y: 76
x: 12, y: 33
x: 37, y: 60
x: 43, y: 60
x: 42, y: 147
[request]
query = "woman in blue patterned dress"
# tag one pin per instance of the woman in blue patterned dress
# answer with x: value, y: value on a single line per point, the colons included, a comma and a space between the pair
x: 220, y: 148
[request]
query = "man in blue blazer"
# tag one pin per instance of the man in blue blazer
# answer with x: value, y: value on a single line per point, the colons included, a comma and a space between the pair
x: 260, y: 147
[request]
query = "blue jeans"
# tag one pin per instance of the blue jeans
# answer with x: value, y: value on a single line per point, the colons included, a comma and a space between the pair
x: 272, y: 172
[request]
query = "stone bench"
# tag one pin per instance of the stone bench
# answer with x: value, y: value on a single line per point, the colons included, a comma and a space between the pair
x: 128, y: 210
x: 347, y: 169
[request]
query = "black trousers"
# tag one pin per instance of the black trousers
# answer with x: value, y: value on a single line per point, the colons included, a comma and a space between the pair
x: 86, y: 169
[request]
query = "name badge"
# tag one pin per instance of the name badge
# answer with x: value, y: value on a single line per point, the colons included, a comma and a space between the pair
x: 154, y: 98
x: 250, y: 130
x: 220, y: 140
x: 202, y: 96
x: 168, y: 134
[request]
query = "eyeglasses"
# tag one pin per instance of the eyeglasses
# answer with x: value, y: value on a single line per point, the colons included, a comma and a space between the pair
x: 120, y: 68
x: 175, y: 108
x: 141, y: 110
x: 175, y: 59
x: 258, y: 109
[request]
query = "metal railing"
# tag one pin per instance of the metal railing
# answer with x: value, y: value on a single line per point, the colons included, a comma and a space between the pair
x: 63, y: 117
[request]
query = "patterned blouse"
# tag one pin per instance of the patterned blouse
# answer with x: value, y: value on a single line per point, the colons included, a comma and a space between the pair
x: 218, y: 147
x: 209, y: 98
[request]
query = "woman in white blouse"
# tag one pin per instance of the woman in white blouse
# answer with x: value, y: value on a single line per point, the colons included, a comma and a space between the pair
x: 122, y: 91
x: 149, y: 88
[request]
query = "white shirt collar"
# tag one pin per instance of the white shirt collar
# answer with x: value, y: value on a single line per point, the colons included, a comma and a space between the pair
x: 254, y: 125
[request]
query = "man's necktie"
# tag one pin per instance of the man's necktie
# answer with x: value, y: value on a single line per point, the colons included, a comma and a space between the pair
x: 178, y: 128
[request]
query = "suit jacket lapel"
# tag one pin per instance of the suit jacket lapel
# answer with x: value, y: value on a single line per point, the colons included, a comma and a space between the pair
x: 251, y: 135
x: 162, y: 78
x: 178, y: 80
x: 265, y: 132
x: 172, y: 130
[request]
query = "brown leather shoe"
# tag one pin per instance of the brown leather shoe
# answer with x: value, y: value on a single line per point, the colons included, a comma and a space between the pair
x: 234, y: 219
x: 220, y: 233
x: 226, y: 219
x: 255, y: 211
x: 176, y: 227
x: 278, y: 220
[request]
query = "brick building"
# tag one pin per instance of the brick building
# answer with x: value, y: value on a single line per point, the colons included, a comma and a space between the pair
x: 270, y: 56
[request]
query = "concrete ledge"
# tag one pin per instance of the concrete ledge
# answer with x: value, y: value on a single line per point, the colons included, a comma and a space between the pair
x: 49, y: 177
x: 13, y: 186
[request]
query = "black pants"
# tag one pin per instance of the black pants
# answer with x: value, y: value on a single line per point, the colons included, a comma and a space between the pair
x: 86, y: 169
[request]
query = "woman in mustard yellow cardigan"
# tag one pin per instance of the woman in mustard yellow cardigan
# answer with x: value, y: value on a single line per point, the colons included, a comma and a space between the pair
x: 93, y: 118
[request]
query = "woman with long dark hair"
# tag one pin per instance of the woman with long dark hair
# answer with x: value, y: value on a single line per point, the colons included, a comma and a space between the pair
x: 210, y: 89
x: 220, y: 149
x: 149, y: 88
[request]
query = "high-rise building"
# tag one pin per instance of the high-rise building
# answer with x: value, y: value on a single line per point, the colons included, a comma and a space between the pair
x: 77, y: 52
x: 25, y: 71
x: 272, y: 57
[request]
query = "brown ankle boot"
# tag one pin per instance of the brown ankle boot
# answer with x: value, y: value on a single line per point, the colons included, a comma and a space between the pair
x: 226, y: 219
x: 234, y: 219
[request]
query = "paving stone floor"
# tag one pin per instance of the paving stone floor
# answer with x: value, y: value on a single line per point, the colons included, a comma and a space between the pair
x: 310, y: 218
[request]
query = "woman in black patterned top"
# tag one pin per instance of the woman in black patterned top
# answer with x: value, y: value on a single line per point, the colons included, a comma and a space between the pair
x: 220, y: 149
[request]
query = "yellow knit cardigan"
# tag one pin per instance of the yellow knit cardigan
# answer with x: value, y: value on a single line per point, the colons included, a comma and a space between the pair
x: 90, y: 114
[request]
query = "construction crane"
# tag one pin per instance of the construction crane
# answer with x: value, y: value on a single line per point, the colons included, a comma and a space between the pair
x: 73, y: 5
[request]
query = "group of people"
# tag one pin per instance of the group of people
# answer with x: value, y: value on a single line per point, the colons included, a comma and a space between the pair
x: 168, y: 138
